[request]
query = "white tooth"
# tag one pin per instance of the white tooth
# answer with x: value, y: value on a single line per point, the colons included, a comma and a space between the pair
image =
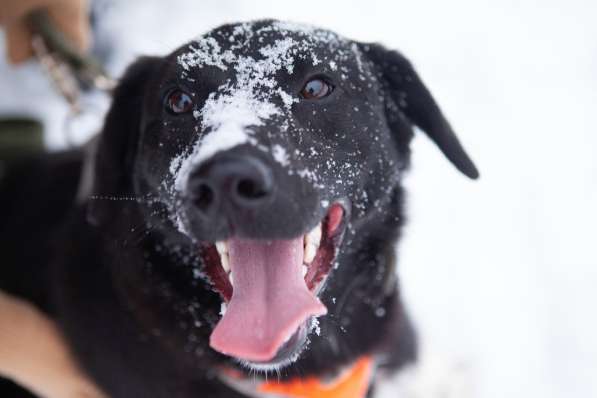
x: 304, y: 270
x: 231, y: 279
x: 310, y: 251
x: 314, y: 236
x: 222, y: 247
x: 225, y: 261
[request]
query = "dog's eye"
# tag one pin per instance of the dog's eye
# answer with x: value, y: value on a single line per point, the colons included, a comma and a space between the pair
x: 316, y: 89
x: 178, y: 102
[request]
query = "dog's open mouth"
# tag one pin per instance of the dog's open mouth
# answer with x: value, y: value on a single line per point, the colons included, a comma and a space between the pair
x: 270, y: 288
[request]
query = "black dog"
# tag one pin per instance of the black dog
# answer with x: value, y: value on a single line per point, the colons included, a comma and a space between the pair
x: 245, y: 204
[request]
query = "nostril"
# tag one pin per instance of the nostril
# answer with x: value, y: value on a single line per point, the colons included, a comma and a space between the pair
x: 250, y: 189
x: 230, y: 182
x: 203, y: 196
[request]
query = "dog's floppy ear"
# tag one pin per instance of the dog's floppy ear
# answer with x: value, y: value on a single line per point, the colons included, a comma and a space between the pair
x: 410, y: 95
x: 112, y: 162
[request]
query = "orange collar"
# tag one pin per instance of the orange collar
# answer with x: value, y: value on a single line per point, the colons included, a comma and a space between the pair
x: 352, y: 383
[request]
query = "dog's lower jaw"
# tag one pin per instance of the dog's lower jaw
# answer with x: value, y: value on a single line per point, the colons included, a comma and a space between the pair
x: 287, y: 355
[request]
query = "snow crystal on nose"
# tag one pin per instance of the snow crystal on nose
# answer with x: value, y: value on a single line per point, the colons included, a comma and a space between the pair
x: 280, y: 155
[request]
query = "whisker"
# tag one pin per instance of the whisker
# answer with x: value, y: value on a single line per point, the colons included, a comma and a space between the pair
x: 117, y: 198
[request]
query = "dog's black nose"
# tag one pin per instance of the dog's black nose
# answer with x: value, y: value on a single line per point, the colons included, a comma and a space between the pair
x: 244, y: 182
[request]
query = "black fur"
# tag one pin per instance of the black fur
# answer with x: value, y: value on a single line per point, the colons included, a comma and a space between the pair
x: 120, y: 278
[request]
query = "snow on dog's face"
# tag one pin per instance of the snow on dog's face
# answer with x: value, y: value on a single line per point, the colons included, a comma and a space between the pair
x: 285, y: 94
x: 269, y: 157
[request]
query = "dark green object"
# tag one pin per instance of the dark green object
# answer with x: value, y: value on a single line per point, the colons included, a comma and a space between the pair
x: 20, y: 137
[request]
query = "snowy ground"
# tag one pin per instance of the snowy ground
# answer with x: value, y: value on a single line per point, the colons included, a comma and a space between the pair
x: 499, y: 274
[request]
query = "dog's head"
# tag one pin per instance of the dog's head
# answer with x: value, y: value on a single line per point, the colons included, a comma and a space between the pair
x: 266, y: 158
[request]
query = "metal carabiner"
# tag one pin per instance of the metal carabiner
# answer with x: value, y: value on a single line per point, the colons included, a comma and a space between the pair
x: 70, y: 69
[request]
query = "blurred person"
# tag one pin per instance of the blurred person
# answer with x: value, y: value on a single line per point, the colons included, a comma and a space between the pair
x: 32, y: 350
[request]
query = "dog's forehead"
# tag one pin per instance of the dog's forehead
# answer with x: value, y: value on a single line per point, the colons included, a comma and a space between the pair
x: 263, y: 46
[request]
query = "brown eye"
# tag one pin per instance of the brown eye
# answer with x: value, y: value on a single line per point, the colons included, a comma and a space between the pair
x: 317, y: 88
x: 178, y: 102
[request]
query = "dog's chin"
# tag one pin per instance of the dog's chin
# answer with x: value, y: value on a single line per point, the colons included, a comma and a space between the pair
x: 289, y: 353
x: 317, y: 249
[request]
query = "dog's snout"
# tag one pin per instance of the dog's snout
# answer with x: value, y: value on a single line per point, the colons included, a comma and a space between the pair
x: 243, y: 182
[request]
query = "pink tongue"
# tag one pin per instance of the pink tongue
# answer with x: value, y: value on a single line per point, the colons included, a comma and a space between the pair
x: 269, y: 302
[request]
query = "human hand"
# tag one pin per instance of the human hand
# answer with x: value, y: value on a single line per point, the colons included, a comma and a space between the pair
x: 69, y: 16
x: 34, y: 354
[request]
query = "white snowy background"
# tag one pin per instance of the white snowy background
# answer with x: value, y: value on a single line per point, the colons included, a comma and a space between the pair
x: 500, y: 275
